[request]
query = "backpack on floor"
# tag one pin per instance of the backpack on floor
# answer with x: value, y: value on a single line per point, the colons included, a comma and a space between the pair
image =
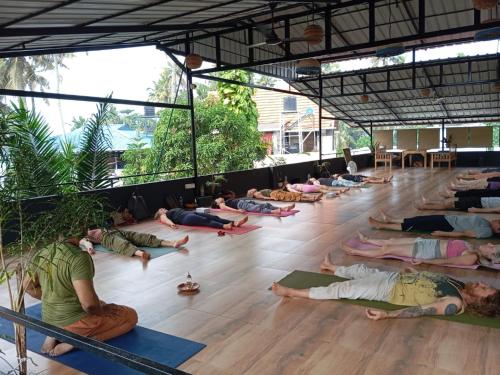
x: 137, y: 206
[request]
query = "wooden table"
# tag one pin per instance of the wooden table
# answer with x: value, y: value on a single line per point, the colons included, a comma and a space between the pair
x: 413, y: 152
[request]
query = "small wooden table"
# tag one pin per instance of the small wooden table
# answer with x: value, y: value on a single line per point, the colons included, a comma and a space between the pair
x: 397, y: 151
x: 413, y: 152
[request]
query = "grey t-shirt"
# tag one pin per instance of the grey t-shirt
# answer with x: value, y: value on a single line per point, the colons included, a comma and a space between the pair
x: 477, y: 224
x: 490, y: 202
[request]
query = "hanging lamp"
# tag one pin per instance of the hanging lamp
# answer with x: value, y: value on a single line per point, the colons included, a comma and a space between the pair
x: 364, y: 98
x: 193, y: 61
x: 496, y: 86
x: 426, y: 92
x: 484, y: 4
x: 314, y: 34
x: 308, y: 67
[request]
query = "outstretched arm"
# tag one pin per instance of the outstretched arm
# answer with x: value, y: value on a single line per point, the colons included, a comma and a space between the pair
x: 223, y: 206
x: 291, y: 189
x: 258, y: 195
x: 444, y: 306
x: 495, y: 210
x: 165, y: 220
x: 467, y: 233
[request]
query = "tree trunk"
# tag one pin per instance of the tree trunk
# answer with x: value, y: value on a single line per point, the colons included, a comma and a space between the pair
x: 20, y: 330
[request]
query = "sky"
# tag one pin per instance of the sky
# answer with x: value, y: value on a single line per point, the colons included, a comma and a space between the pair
x: 128, y: 73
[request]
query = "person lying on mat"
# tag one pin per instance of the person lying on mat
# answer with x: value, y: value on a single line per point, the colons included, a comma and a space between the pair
x: 470, y: 204
x: 332, y: 182
x: 428, y: 250
x: 281, y: 195
x: 248, y: 205
x: 126, y: 242
x: 180, y: 216
x: 492, y: 183
x: 425, y: 293
x: 472, y: 226
x: 470, y: 193
x: 360, y: 178
x: 312, y: 188
x: 487, y: 170
x: 478, y: 176
x: 61, y: 278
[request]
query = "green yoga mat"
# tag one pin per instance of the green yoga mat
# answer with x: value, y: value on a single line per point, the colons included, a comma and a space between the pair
x: 154, y: 251
x: 304, y: 280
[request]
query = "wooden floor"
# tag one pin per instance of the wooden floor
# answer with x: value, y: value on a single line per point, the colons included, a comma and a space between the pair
x: 248, y: 330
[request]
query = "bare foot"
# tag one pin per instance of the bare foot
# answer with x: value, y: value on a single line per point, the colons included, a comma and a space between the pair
x: 327, y: 264
x: 276, y: 211
x: 375, y: 223
x: 289, y: 208
x: 49, y: 344
x: 385, y: 217
x: 60, y: 349
x: 181, y: 242
x: 228, y: 226
x: 389, y: 179
x: 349, y: 250
x: 145, y: 255
x: 362, y: 237
x: 239, y: 223
x: 281, y: 290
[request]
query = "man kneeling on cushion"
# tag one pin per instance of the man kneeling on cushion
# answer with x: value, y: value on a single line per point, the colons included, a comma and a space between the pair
x: 62, y: 278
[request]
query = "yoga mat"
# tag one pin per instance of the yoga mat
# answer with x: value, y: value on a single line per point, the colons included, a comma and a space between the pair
x: 236, y: 230
x: 304, y: 280
x: 160, y: 347
x: 357, y: 244
x: 154, y: 251
x: 283, y: 213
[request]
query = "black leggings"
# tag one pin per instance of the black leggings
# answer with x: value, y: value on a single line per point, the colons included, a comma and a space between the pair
x: 198, y: 219
x: 478, y: 193
x: 426, y: 223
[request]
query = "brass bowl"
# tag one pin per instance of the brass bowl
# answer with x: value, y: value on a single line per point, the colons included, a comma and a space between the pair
x: 184, y: 288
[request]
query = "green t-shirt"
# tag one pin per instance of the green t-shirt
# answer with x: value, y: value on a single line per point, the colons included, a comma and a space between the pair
x: 58, y: 266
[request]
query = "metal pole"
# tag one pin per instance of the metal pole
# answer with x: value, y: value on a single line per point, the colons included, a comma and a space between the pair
x: 371, y: 135
x: 193, y: 128
x: 442, y: 135
x: 320, y: 116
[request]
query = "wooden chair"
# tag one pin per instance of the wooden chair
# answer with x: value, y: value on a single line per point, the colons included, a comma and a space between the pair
x: 445, y: 157
x: 382, y: 156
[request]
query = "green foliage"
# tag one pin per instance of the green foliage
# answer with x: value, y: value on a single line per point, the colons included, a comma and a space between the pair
x: 78, y: 122
x: 134, y: 165
x: 236, y: 97
x: 92, y: 167
x: 31, y: 158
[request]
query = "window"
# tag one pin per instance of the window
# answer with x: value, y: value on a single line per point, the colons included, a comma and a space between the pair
x: 290, y: 104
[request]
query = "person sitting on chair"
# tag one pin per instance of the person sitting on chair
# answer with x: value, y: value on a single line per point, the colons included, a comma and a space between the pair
x: 126, y: 242
x: 181, y: 216
x: 248, y: 205
x: 429, y: 250
x: 472, y: 226
x: 425, y: 293
x: 62, y: 278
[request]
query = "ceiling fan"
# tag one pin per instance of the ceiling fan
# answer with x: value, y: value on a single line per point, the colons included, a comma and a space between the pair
x: 270, y: 36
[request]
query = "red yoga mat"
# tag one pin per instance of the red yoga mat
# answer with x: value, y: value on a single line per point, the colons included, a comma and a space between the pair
x: 283, y: 213
x: 245, y: 228
x: 357, y: 244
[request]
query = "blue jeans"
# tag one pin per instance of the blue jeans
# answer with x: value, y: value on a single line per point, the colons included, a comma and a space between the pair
x: 198, y: 219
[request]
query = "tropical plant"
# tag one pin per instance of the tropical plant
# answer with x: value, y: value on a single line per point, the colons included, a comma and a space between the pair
x: 215, y: 183
x: 78, y: 122
x: 165, y: 88
x: 133, y: 159
x: 92, y: 169
x: 384, y: 61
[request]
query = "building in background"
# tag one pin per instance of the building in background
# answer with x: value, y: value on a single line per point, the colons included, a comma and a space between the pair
x: 290, y: 123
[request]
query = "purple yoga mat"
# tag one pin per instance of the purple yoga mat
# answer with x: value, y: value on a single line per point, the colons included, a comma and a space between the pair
x: 357, y: 244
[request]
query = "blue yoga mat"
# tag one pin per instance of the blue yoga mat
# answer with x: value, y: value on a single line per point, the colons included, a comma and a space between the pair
x: 154, y: 251
x: 160, y: 347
